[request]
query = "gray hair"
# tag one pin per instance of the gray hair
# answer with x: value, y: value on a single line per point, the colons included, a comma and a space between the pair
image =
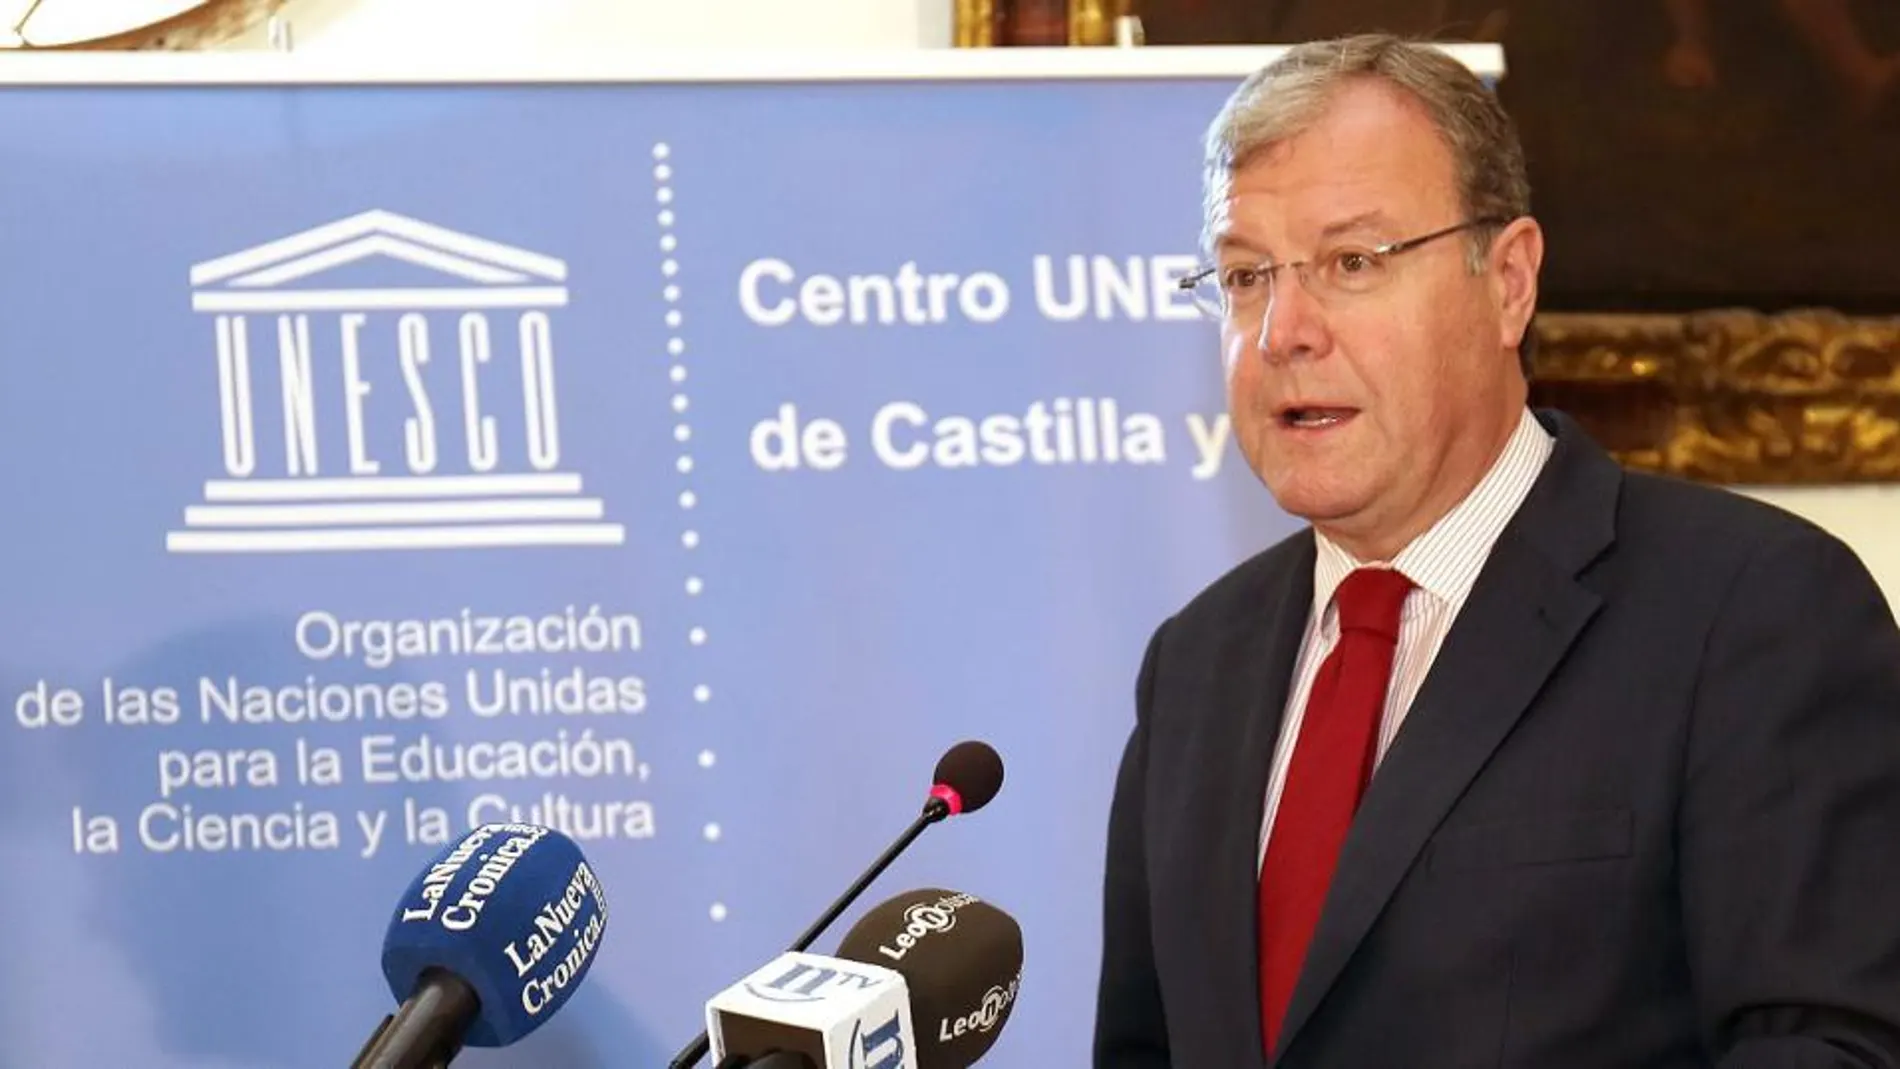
x: 1288, y: 95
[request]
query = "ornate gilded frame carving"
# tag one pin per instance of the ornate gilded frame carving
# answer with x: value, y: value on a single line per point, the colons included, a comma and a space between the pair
x: 204, y: 25
x: 1729, y: 396
x: 980, y: 23
x: 1732, y: 396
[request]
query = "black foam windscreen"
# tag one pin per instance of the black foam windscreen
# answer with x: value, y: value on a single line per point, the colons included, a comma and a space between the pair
x: 974, y: 770
x: 962, y: 959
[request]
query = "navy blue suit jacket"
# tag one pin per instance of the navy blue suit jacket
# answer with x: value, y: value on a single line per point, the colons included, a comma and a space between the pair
x: 1643, y: 814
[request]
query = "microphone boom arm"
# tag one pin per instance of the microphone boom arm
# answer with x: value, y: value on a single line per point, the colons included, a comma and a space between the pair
x: 930, y: 816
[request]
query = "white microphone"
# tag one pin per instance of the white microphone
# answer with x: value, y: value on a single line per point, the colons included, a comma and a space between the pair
x: 836, y: 1013
x: 967, y: 777
x: 941, y: 961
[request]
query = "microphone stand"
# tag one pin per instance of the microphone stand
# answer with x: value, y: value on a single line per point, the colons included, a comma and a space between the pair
x: 934, y: 810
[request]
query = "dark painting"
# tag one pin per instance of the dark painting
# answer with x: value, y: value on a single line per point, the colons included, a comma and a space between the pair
x: 1684, y: 154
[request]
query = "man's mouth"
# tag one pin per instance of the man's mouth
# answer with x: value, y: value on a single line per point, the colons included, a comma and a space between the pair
x: 1315, y: 417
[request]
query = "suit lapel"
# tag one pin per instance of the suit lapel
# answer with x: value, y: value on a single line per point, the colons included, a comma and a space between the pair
x: 1523, y: 614
x: 1259, y: 657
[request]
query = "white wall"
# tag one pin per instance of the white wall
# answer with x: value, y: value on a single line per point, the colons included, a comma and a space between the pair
x: 435, y: 26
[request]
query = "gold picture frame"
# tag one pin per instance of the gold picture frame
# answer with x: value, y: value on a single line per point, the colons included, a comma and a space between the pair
x: 1732, y: 396
x: 205, y: 24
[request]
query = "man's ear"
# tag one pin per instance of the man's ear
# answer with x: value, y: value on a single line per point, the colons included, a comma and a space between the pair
x: 1517, y: 255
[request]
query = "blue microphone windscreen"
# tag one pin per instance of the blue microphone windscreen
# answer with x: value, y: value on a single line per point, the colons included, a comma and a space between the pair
x: 513, y: 909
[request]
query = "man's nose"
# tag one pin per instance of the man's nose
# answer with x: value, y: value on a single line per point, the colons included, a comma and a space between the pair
x: 1293, y: 325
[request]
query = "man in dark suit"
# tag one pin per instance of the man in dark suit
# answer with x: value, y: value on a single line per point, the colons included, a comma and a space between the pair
x: 1512, y: 758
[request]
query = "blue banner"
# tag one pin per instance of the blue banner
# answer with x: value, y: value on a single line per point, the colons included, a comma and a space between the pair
x: 683, y: 466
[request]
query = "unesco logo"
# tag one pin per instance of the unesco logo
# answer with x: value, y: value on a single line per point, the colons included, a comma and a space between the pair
x: 385, y: 383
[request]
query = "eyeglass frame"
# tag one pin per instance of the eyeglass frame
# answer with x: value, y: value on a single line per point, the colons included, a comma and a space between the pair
x: 1385, y: 251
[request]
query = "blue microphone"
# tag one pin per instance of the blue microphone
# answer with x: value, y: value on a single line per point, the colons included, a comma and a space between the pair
x: 490, y: 939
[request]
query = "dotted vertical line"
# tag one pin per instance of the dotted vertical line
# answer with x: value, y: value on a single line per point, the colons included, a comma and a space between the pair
x: 680, y: 403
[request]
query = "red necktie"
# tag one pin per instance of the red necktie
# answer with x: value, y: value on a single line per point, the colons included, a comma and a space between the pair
x: 1339, y: 738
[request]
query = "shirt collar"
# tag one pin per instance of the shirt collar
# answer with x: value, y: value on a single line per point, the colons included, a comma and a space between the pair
x: 1446, y: 559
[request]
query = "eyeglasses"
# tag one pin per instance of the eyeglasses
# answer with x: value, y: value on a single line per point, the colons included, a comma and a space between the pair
x: 1241, y: 291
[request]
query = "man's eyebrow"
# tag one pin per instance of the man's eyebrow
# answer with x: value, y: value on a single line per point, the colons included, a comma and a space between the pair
x: 1362, y: 221
x: 1368, y: 220
x: 1231, y: 244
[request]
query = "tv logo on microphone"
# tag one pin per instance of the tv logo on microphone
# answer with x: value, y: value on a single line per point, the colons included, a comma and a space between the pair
x: 857, y: 1013
x: 808, y: 981
x: 881, y: 1047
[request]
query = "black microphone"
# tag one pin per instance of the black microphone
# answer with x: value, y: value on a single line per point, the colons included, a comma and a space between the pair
x: 962, y: 961
x: 967, y: 778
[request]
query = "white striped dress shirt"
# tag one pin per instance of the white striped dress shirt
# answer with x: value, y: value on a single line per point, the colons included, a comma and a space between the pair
x: 1443, y: 564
